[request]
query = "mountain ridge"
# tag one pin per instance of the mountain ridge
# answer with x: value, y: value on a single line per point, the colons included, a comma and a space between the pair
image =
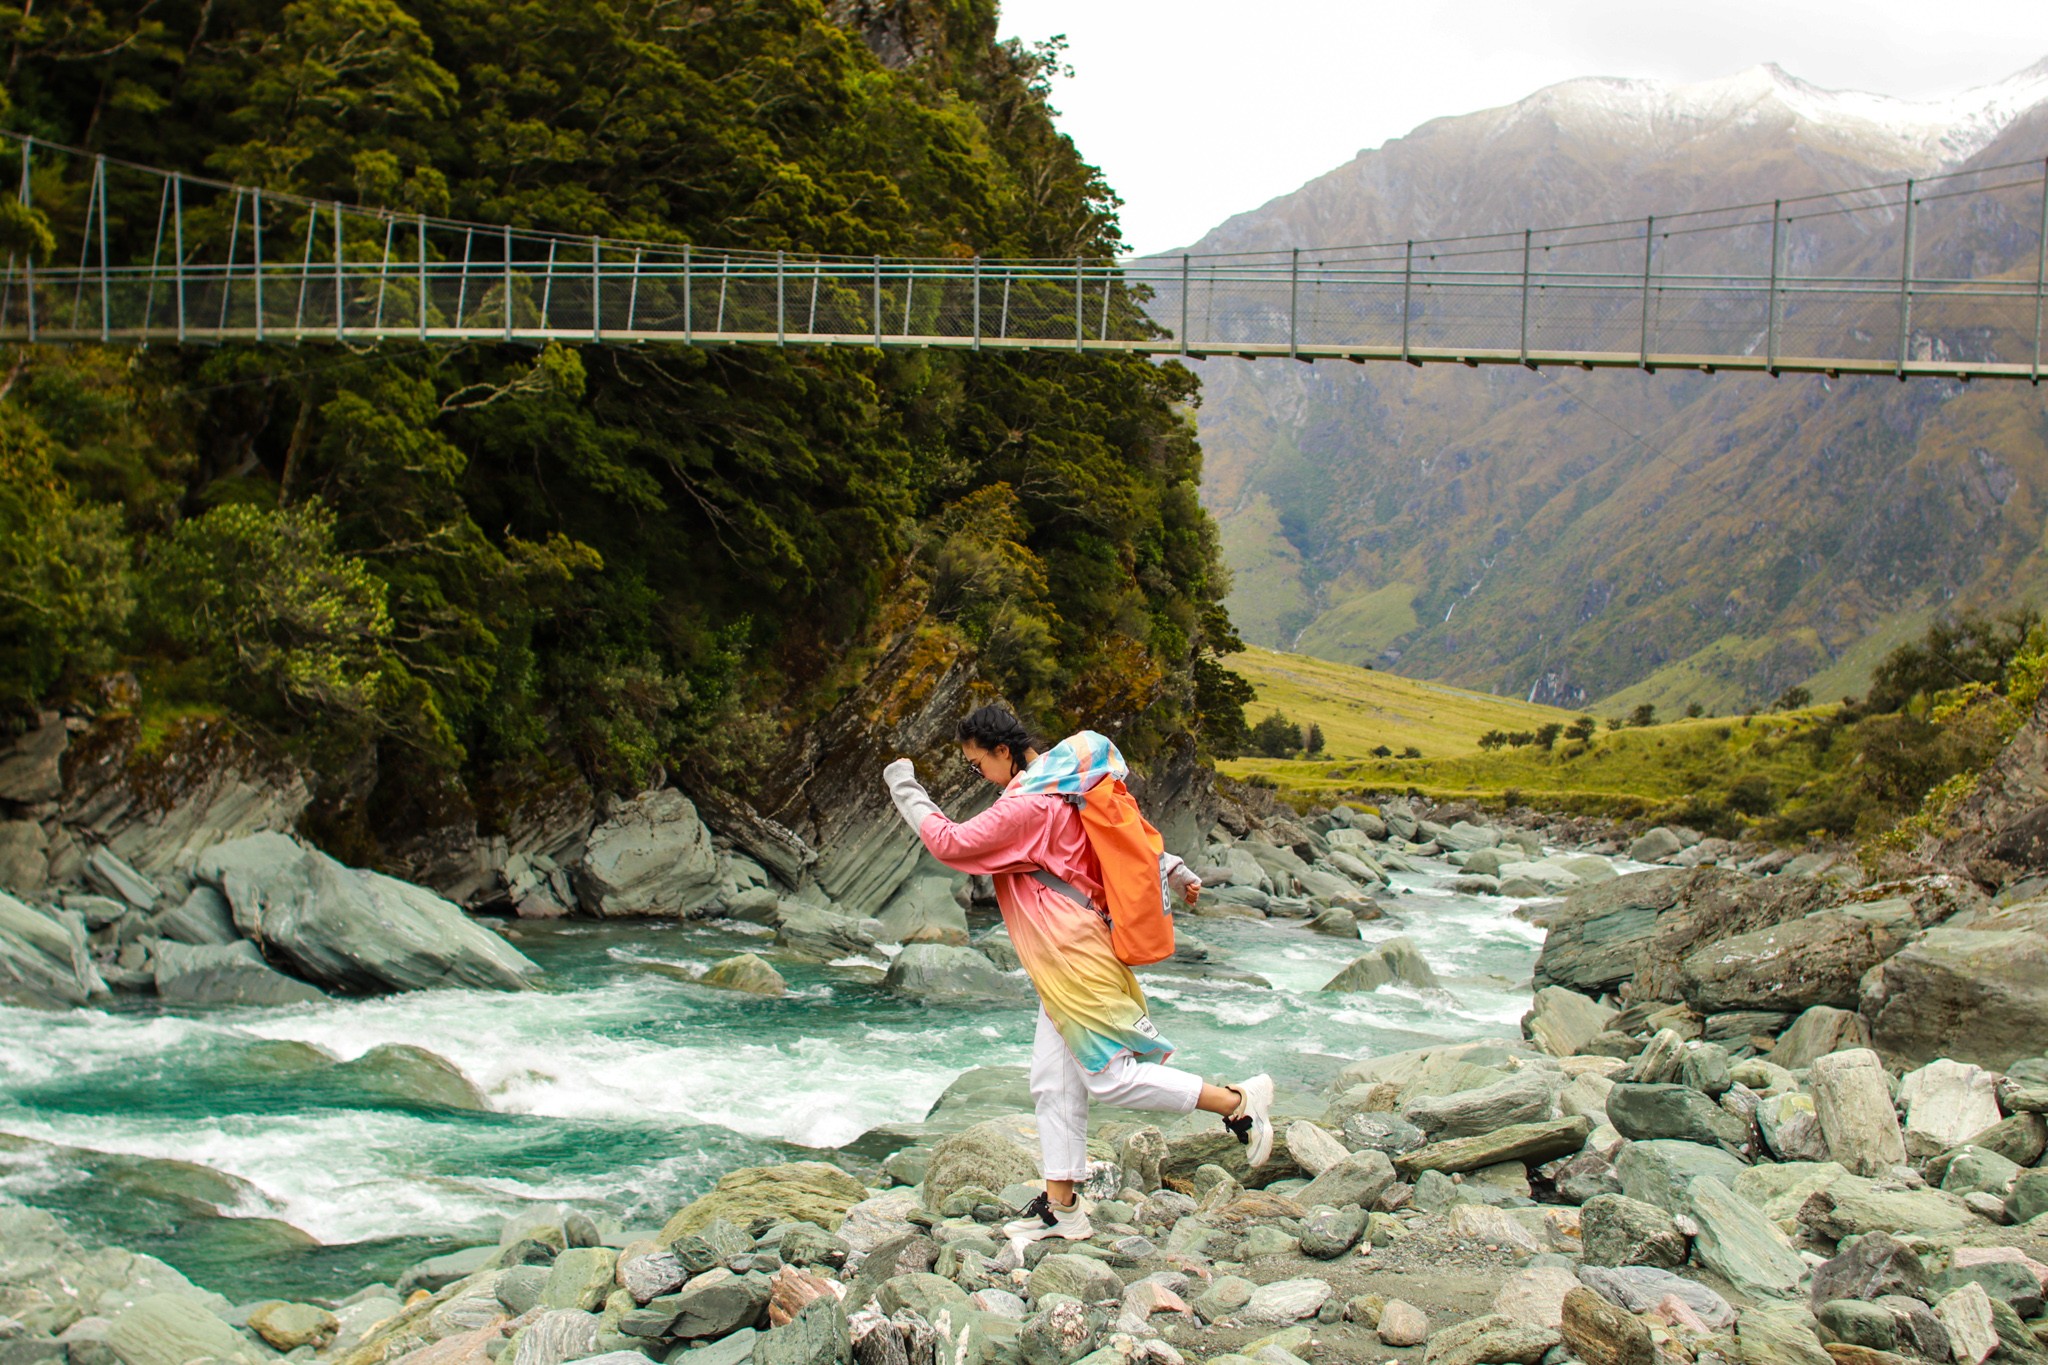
x: 1567, y: 538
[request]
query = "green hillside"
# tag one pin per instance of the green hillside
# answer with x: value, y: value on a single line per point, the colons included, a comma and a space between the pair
x: 1360, y: 709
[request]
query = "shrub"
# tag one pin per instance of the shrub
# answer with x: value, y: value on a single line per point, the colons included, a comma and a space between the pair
x: 1276, y: 737
x: 1581, y: 729
x: 1643, y: 715
x: 1546, y: 735
x: 1793, y: 698
x: 1492, y: 739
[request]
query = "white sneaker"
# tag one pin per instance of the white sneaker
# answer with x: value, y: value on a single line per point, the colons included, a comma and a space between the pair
x: 1043, y: 1218
x: 1252, y: 1120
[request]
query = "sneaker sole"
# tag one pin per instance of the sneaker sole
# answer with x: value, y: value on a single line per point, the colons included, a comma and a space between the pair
x: 1258, y: 1093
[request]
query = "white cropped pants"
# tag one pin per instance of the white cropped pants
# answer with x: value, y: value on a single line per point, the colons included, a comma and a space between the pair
x: 1060, y: 1090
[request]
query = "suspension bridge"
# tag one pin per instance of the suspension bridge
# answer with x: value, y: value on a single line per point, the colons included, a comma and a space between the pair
x: 1945, y: 276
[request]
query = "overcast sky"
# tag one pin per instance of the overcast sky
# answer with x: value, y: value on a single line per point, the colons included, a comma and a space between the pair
x: 1198, y: 109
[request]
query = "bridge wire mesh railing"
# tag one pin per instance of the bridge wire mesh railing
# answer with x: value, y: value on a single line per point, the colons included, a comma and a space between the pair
x: 1939, y: 275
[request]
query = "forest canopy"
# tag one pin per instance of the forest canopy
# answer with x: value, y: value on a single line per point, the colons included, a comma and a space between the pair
x: 437, y: 574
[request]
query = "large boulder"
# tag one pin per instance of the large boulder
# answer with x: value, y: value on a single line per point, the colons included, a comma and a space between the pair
x: 1522, y: 1097
x: 1527, y: 1142
x: 653, y: 856
x: 1816, y: 960
x: 794, y: 1192
x: 1641, y: 1112
x: 1947, y: 1103
x: 223, y: 974
x: 816, y: 932
x: 745, y: 972
x: 923, y: 911
x: 1736, y: 1241
x: 1562, y: 1021
x: 940, y: 971
x: 1816, y: 1033
x: 352, y: 930
x: 1659, y: 1171
x: 1974, y: 995
x: 993, y: 1154
x: 1397, y: 959
x: 1854, y: 1105
x: 170, y: 1329
x: 44, y: 958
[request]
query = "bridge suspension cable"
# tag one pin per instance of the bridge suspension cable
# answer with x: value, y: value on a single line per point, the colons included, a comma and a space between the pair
x: 1943, y: 276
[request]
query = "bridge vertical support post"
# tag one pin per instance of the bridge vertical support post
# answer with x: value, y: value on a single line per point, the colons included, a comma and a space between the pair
x: 547, y: 289
x: 507, y: 239
x: 1906, y: 288
x: 28, y: 268
x: 1649, y: 245
x: 977, y: 301
x: 633, y: 294
x: 178, y: 245
x: 781, y: 328
x: 1009, y: 278
x: 1528, y: 237
x: 1077, y: 302
x: 633, y: 299
x: 878, y: 300
x: 156, y: 255
x: 384, y: 273
x: 1183, y: 303
x: 227, y: 284
x: 306, y: 268
x: 1294, y: 304
x: 340, y: 284
x: 2040, y: 277
x: 256, y: 227
x: 421, y: 220
x: 1771, y: 297
x: 596, y: 289
x: 92, y: 197
x: 1407, y: 291
x: 99, y: 171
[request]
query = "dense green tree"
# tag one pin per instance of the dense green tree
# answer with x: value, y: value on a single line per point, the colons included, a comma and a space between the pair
x: 604, y: 559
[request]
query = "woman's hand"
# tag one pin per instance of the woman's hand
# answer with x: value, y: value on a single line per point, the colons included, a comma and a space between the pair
x: 1183, y: 879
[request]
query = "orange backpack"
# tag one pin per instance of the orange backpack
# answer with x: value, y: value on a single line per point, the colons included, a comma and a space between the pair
x: 1133, y: 859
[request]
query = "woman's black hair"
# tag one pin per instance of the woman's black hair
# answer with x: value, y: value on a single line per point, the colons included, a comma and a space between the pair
x: 996, y: 724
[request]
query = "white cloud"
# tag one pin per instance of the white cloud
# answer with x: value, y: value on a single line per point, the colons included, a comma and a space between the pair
x: 1198, y: 109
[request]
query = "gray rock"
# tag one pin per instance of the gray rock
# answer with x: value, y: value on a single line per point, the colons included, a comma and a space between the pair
x: 923, y: 911
x: 1397, y: 959
x: 1817, y: 1032
x: 1356, y: 1181
x: 24, y: 856
x: 32, y: 763
x: 352, y: 930
x: 1312, y: 1148
x: 1815, y: 960
x: 2029, y: 1197
x: 170, y: 1329
x: 1061, y: 1333
x: 1227, y: 1294
x: 1491, y: 1340
x: 107, y: 874
x: 1972, y: 1170
x: 937, y: 971
x: 1527, y: 1142
x: 2010, y: 1282
x: 1653, y: 845
x: 1598, y: 1333
x: 1739, y: 1243
x: 1854, y: 1106
x: 819, y: 1334
x: 1522, y: 1097
x: 580, y: 1278
x: 1328, y: 1233
x: 44, y: 957
x: 2021, y: 1139
x: 1658, y: 1172
x: 1678, y: 1112
x: 747, y: 973
x: 1639, y: 1288
x: 1561, y: 1021
x: 992, y: 1154
x: 652, y: 856
x: 821, y: 934
x: 1855, y: 1323
x: 1616, y: 1230
x: 203, y: 917
x: 1868, y: 1267
x: 1780, y: 1336
x: 1916, y: 1329
x: 924, y: 1294
x: 518, y: 1288
x: 1078, y: 1277
x: 224, y: 974
x: 1286, y: 1301
x: 1335, y: 921
x: 1946, y: 1102
x: 715, y: 1303
x: 1973, y: 995
x: 553, y: 1338
x: 1387, y: 1133
x: 1705, y: 1067
x: 1850, y: 1204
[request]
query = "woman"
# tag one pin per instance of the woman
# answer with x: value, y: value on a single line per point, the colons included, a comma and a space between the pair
x: 1094, y: 1040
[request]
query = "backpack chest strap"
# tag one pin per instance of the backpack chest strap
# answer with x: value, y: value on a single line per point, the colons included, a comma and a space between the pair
x: 1067, y: 889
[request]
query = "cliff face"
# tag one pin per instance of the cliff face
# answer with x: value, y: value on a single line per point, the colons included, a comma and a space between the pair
x: 1667, y: 538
